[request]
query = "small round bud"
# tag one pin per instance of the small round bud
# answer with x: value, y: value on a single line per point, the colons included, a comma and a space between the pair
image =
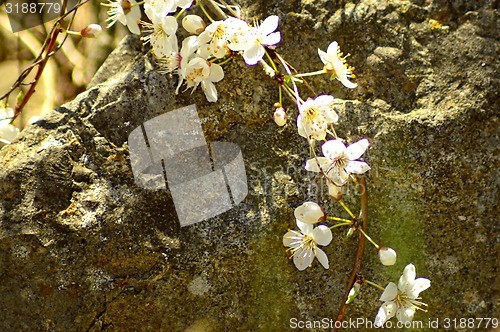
x: 193, y: 24
x: 387, y: 256
x: 310, y: 213
x: 91, y: 31
x: 280, y: 116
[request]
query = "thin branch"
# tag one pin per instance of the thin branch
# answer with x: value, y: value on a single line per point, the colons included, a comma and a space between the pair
x: 356, y: 269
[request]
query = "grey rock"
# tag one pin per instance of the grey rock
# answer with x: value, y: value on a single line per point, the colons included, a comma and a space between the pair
x: 83, y: 248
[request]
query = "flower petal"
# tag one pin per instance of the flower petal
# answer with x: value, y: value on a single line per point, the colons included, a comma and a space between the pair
x: 333, y: 48
x: 272, y: 39
x: 312, y: 164
x: 334, y: 191
x: 357, y: 167
x: 216, y: 73
x: 303, y: 257
x: 339, y: 176
x: 386, y: 312
x: 333, y: 148
x: 253, y: 54
x: 292, y: 239
x: 407, y: 280
x: 390, y: 292
x: 405, y: 313
x: 210, y: 90
x: 306, y: 228
x: 322, y: 235
x: 420, y: 285
x: 356, y: 150
x: 269, y: 25
x: 323, y: 56
x: 322, y: 257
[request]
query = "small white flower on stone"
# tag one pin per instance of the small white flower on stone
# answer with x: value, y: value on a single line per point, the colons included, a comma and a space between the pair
x: 198, y: 71
x: 214, y: 40
x: 304, y: 244
x: 310, y: 213
x: 402, y: 300
x: 334, y: 63
x: 314, y: 117
x: 340, y: 161
x: 387, y: 256
x: 7, y: 131
x: 280, y: 116
x: 127, y: 12
x: 253, y: 43
x: 162, y: 32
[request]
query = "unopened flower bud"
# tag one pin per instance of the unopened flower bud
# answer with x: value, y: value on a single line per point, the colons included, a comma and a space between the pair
x: 350, y: 232
x: 353, y: 292
x: 280, y: 116
x: 91, y: 31
x: 387, y: 256
x: 310, y: 213
x: 193, y: 24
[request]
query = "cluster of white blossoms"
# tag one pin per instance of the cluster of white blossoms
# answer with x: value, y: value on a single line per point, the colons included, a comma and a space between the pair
x: 196, y: 63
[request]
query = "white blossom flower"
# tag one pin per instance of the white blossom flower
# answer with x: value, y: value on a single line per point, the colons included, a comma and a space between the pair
x: 340, y: 161
x: 304, y: 244
x: 214, y: 40
x: 198, y: 71
x: 314, y: 117
x: 255, y: 40
x: 280, y: 116
x: 334, y: 63
x: 162, y: 32
x: 387, y: 256
x: 402, y: 300
x: 127, y: 12
x: 309, y: 213
x: 193, y: 24
x: 7, y: 131
x: 164, y: 7
x: 177, y: 61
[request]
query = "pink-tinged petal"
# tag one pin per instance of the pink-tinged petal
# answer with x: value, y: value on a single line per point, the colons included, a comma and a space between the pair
x: 390, y: 292
x: 305, y: 228
x: 272, y: 39
x: 322, y: 257
x: 357, y: 167
x: 216, y: 73
x: 292, y: 239
x: 356, y: 150
x: 322, y: 235
x: 405, y: 313
x: 420, y: 285
x: 339, y: 176
x: 253, y: 54
x: 333, y: 148
x: 407, y: 280
x: 312, y: 164
x: 386, y: 312
x: 303, y: 257
x: 210, y: 91
x: 333, y: 48
x: 269, y: 25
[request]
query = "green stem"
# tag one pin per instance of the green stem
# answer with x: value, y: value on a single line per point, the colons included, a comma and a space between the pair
x: 180, y: 13
x: 368, y: 238
x: 346, y: 208
x: 271, y: 61
x: 205, y: 12
x: 314, y: 73
x: 340, y: 225
x: 373, y: 284
x: 339, y: 219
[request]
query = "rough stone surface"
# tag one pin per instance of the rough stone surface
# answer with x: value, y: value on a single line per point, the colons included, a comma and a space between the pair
x: 83, y: 248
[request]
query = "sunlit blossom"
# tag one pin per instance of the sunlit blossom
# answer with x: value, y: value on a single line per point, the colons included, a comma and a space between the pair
x: 335, y: 64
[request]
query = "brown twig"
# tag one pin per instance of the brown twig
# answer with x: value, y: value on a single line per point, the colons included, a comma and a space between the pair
x: 356, y: 269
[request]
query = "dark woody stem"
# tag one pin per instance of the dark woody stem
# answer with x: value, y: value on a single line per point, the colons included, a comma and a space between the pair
x: 356, y: 269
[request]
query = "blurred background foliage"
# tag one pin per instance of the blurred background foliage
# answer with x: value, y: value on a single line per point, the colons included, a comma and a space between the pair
x: 68, y: 72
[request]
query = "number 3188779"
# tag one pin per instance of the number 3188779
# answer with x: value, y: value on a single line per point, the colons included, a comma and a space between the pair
x: 33, y: 8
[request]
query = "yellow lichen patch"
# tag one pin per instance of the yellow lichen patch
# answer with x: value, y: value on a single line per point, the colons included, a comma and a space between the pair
x: 434, y: 24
